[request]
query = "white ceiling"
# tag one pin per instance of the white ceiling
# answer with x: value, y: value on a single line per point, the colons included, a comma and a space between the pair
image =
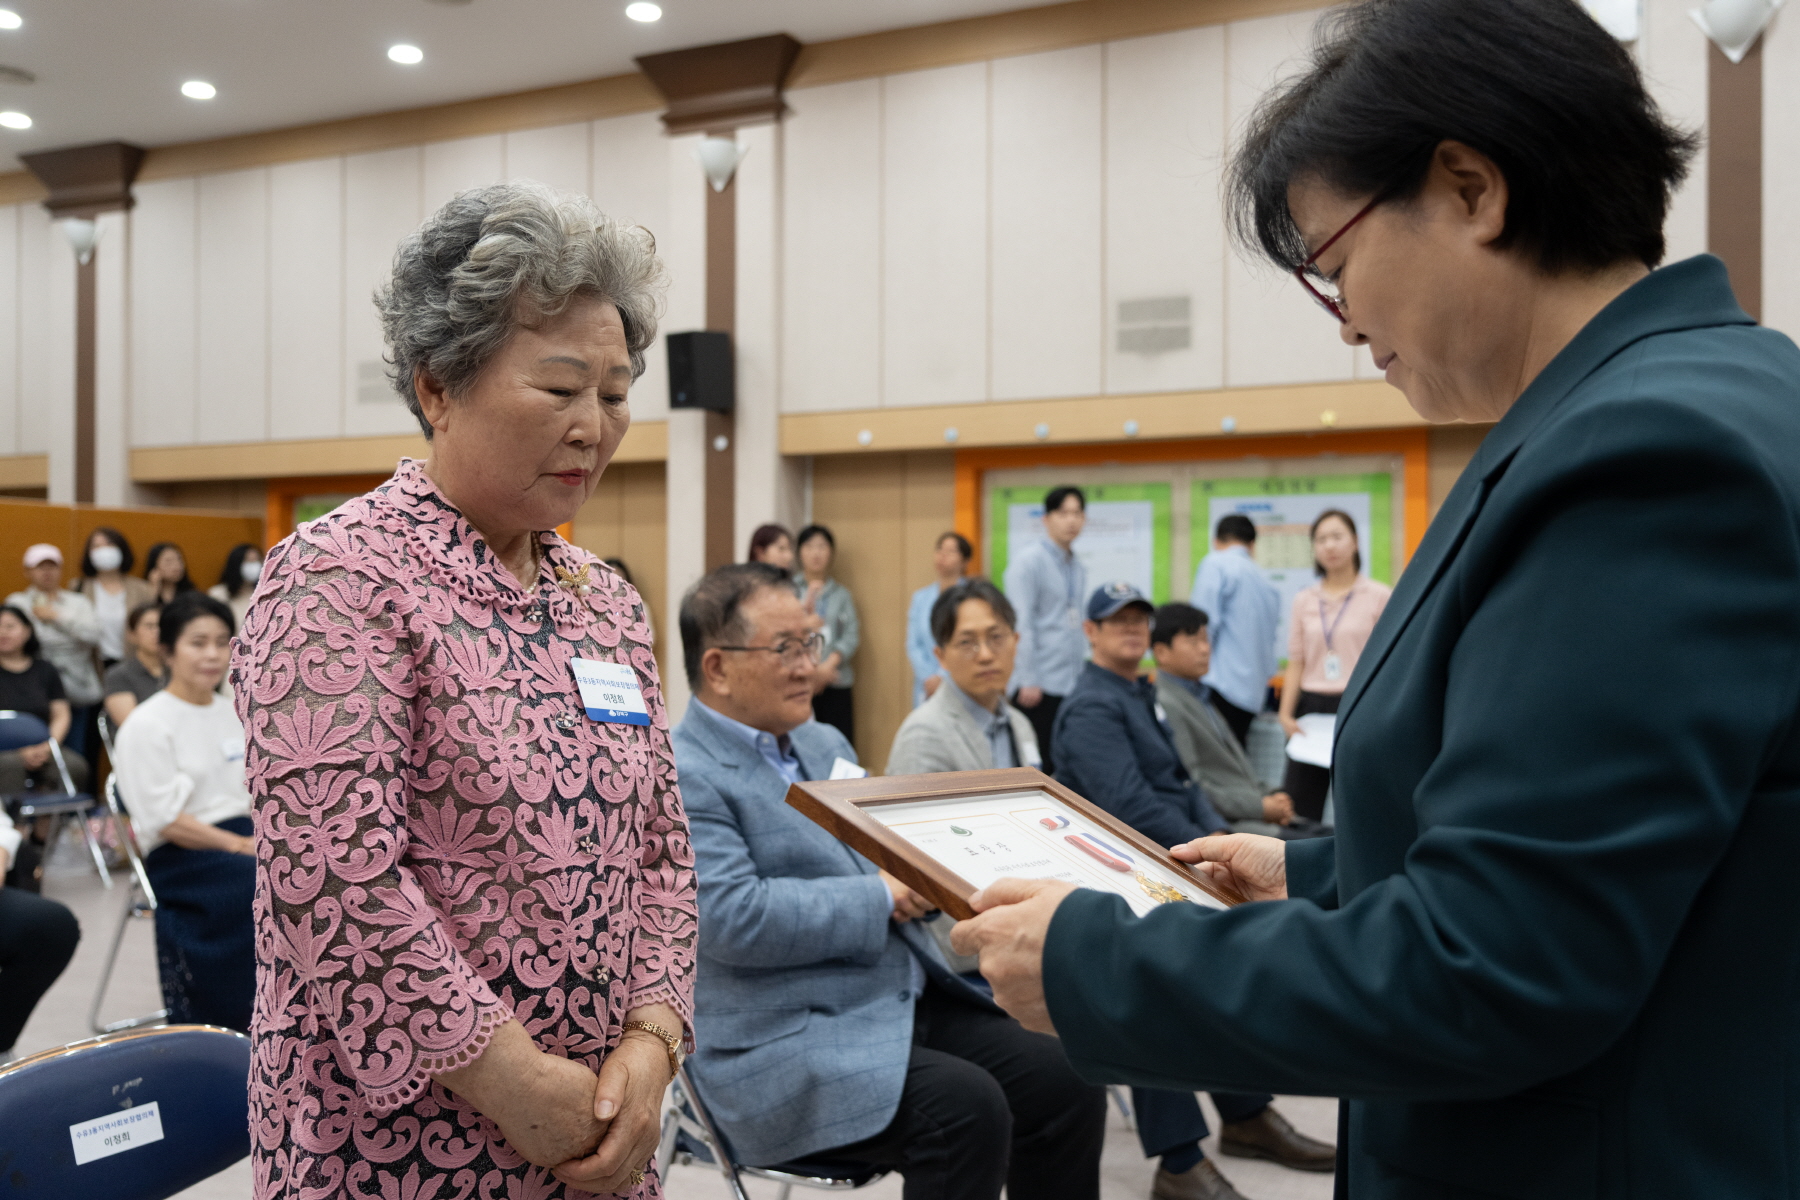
x: 113, y: 68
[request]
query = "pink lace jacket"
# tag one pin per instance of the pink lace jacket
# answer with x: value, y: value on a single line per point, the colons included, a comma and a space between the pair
x: 445, y: 841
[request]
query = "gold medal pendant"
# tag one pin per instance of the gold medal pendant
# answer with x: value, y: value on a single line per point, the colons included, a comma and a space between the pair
x: 1162, y: 893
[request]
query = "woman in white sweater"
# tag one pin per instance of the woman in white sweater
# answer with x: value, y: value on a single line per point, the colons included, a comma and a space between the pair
x: 180, y: 762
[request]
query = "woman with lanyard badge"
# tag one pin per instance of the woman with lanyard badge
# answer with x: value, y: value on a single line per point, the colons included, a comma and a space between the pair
x: 1332, y: 622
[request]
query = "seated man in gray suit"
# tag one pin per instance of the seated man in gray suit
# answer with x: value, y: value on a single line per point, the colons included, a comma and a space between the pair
x: 1208, y: 749
x: 826, y: 1022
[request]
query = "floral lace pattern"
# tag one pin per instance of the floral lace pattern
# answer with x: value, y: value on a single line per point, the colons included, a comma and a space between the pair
x: 445, y: 842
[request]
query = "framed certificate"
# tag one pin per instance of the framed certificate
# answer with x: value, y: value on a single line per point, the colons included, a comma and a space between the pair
x: 949, y: 834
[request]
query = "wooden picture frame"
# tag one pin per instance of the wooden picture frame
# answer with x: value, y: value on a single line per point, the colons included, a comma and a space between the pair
x: 843, y: 808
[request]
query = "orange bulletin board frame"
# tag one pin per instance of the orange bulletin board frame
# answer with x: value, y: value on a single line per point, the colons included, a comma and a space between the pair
x: 283, y: 493
x: 1412, y: 446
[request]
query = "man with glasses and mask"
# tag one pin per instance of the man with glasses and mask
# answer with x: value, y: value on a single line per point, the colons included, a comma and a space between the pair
x: 827, y: 1023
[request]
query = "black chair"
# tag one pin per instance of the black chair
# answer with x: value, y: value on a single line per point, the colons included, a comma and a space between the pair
x: 140, y: 905
x: 19, y: 730
x: 131, y: 1116
x: 689, y: 1135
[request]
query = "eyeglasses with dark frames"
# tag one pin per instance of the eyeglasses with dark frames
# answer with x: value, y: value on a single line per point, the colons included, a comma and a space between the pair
x: 1331, y: 304
x: 793, y: 652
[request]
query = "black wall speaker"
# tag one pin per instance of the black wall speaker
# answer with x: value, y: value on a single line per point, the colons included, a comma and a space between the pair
x: 700, y: 371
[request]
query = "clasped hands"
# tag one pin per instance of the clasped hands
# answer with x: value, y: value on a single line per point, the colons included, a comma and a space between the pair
x: 592, y: 1131
x: 1013, y: 916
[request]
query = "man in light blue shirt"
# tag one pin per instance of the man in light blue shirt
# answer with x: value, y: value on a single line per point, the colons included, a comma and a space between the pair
x: 1243, y: 610
x: 1048, y: 588
x: 950, y: 560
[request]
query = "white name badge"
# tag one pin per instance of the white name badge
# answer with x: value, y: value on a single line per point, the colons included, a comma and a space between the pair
x: 1033, y: 759
x: 843, y: 768
x: 116, y: 1133
x: 610, y: 692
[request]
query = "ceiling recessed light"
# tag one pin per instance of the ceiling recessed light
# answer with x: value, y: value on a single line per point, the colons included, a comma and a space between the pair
x: 9, y: 19
x: 198, y: 89
x: 644, y: 11
x: 15, y: 120
x: 404, y: 53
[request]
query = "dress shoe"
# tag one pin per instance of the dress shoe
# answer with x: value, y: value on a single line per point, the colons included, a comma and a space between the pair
x: 1201, y: 1181
x: 1268, y: 1135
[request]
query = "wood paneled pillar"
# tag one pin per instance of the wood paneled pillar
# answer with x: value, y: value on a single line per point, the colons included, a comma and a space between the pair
x: 715, y: 90
x: 1734, y: 184
x: 84, y: 182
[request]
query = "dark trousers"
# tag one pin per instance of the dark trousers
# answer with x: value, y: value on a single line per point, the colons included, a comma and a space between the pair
x: 988, y: 1104
x: 205, y: 933
x: 1304, y: 783
x: 15, y: 776
x: 836, y: 706
x: 1169, y: 1122
x: 1042, y: 719
x: 1236, y: 719
x: 37, y: 939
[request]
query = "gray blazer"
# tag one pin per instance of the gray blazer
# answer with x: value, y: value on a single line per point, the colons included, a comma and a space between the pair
x: 803, y: 1005
x: 1214, y: 758
x: 940, y: 735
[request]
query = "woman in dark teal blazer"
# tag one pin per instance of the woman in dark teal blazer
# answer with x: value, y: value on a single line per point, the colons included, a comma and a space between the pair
x: 1554, y: 948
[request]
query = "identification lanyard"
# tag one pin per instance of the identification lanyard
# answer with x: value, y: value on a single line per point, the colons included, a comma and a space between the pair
x: 1334, y: 665
x: 610, y: 692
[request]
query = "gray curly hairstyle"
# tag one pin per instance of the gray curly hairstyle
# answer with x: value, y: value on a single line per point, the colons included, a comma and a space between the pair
x: 499, y: 258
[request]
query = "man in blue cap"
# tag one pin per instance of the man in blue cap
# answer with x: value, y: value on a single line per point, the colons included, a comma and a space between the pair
x: 1114, y: 748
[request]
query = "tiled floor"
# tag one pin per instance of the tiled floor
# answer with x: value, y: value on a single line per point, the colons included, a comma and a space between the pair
x: 63, y: 1017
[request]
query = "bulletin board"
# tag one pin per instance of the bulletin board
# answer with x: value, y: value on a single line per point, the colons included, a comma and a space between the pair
x: 1127, y: 534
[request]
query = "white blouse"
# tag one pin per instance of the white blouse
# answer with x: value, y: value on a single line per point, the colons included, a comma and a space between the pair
x: 174, y: 757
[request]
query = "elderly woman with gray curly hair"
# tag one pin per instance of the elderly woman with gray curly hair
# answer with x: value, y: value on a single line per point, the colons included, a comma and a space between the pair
x: 475, y: 906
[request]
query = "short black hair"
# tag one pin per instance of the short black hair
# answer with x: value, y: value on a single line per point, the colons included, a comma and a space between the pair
x: 1173, y: 620
x: 126, y: 558
x: 32, y: 648
x: 1235, y: 527
x: 137, y: 614
x: 1349, y: 523
x: 187, y: 608
x: 231, y: 575
x: 1056, y: 497
x: 950, y: 602
x: 1536, y: 85
x: 711, y: 612
x: 962, y: 544
x: 812, y: 531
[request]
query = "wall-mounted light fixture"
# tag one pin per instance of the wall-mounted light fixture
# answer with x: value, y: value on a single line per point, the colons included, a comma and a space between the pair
x: 1734, y: 25
x: 83, y: 235
x: 719, y: 157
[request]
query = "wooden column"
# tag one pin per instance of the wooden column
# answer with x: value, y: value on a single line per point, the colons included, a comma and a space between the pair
x: 85, y: 181
x: 1734, y: 105
x: 715, y: 90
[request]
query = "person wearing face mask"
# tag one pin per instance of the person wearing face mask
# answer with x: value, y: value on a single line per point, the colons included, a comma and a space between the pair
x: 237, y: 582
x: 180, y: 762
x: 69, y: 634
x: 106, y: 562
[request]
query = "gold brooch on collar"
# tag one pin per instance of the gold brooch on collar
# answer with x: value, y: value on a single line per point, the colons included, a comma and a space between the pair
x: 575, y: 581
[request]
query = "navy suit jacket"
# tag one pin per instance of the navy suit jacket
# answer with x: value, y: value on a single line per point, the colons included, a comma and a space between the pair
x: 803, y: 1005
x: 1554, y: 948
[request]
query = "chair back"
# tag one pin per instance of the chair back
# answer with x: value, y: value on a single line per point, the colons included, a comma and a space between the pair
x: 21, y: 729
x: 688, y: 1132
x: 128, y: 839
x: 140, y: 1115
x: 104, y: 723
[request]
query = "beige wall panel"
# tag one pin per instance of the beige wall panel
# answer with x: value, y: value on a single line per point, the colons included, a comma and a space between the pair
x: 1671, y: 51
x: 456, y: 166
x: 1165, y: 132
x: 306, y: 299
x: 831, y: 248
x: 756, y: 462
x: 381, y: 206
x: 163, y: 361
x: 630, y: 181
x: 1047, y: 224
x: 557, y: 156
x: 47, y: 349
x: 232, y: 401
x: 9, y: 330
x: 683, y: 249
x: 625, y: 519
x: 1273, y: 332
x: 935, y: 237
x: 112, y: 399
x: 882, y: 508
x: 1781, y: 174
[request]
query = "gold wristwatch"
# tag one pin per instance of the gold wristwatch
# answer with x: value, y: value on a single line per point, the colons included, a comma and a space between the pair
x: 669, y: 1040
